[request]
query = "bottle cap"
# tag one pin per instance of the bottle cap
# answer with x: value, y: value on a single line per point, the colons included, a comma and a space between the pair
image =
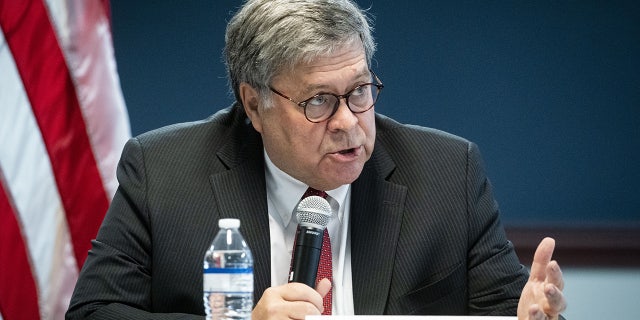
x: 229, y: 223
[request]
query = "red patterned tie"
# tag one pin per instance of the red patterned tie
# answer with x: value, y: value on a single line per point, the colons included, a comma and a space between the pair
x: 325, y: 266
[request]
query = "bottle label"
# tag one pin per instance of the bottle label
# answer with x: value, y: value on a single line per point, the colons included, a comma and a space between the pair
x: 228, y: 280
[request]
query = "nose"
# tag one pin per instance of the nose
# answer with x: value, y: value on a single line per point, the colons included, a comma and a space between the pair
x: 343, y: 119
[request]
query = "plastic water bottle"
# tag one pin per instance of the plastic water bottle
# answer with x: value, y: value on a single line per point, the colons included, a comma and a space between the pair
x: 228, y: 274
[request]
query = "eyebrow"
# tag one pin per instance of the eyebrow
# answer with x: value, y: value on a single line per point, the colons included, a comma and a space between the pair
x: 317, y: 88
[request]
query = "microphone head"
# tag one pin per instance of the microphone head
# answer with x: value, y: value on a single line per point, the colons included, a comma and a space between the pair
x: 313, y: 212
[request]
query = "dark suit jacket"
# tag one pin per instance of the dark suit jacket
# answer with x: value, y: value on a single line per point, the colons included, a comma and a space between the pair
x: 426, y: 236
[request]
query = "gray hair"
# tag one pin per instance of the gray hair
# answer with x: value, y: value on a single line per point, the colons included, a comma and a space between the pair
x: 268, y: 37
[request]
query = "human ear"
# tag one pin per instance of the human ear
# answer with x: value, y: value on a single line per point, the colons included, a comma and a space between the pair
x: 250, y: 101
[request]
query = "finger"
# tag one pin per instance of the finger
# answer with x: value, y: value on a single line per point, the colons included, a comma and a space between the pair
x: 554, y: 275
x: 541, y: 259
x: 323, y: 287
x: 296, y: 291
x: 304, y: 300
x: 289, y: 301
x: 535, y: 313
x: 300, y: 292
x: 556, y: 302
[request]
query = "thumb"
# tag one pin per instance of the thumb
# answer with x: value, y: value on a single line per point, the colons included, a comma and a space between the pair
x: 323, y: 287
x: 541, y: 259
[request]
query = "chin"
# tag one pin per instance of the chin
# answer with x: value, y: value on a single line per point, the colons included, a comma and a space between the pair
x: 348, y: 176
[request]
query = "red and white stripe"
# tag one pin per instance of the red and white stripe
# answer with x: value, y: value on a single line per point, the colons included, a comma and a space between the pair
x: 63, y: 124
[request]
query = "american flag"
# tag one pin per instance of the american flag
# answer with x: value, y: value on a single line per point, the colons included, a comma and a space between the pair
x: 63, y: 123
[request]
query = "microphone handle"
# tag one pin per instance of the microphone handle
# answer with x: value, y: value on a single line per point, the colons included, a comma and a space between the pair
x: 307, y: 256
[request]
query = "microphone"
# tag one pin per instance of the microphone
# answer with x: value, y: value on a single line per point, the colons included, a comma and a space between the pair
x: 313, y: 214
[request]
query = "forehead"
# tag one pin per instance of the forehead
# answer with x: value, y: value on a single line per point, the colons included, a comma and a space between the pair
x: 348, y: 65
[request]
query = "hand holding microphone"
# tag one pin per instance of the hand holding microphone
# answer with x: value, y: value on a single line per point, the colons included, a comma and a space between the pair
x: 313, y: 214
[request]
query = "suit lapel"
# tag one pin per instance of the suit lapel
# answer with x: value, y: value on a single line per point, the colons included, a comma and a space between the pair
x: 240, y: 192
x: 376, y: 216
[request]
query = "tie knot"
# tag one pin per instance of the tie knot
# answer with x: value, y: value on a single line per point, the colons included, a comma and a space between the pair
x: 313, y: 192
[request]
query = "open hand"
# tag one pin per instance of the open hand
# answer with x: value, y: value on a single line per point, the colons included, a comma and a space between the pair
x: 542, y: 297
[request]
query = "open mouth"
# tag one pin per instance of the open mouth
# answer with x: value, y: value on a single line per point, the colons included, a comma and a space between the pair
x: 347, y: 151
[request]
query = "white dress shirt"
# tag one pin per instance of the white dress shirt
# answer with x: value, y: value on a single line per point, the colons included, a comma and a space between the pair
x: 283, y: 194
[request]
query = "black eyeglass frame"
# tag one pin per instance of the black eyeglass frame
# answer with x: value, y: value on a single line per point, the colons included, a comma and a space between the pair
x: 303, y: 103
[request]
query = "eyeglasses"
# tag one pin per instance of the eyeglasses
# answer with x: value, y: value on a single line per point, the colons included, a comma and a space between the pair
x: 323, y: 106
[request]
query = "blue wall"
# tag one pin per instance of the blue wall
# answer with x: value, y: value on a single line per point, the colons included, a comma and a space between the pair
x: 549, y: 90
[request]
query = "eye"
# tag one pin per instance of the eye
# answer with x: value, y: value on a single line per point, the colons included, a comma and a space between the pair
x: 318, y: 100
x: 360, y: 90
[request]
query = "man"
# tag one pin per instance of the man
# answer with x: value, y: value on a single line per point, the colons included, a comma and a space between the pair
x: 415, y: 228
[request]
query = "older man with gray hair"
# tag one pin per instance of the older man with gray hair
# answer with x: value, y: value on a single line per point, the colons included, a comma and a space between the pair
x: 415, y: 229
